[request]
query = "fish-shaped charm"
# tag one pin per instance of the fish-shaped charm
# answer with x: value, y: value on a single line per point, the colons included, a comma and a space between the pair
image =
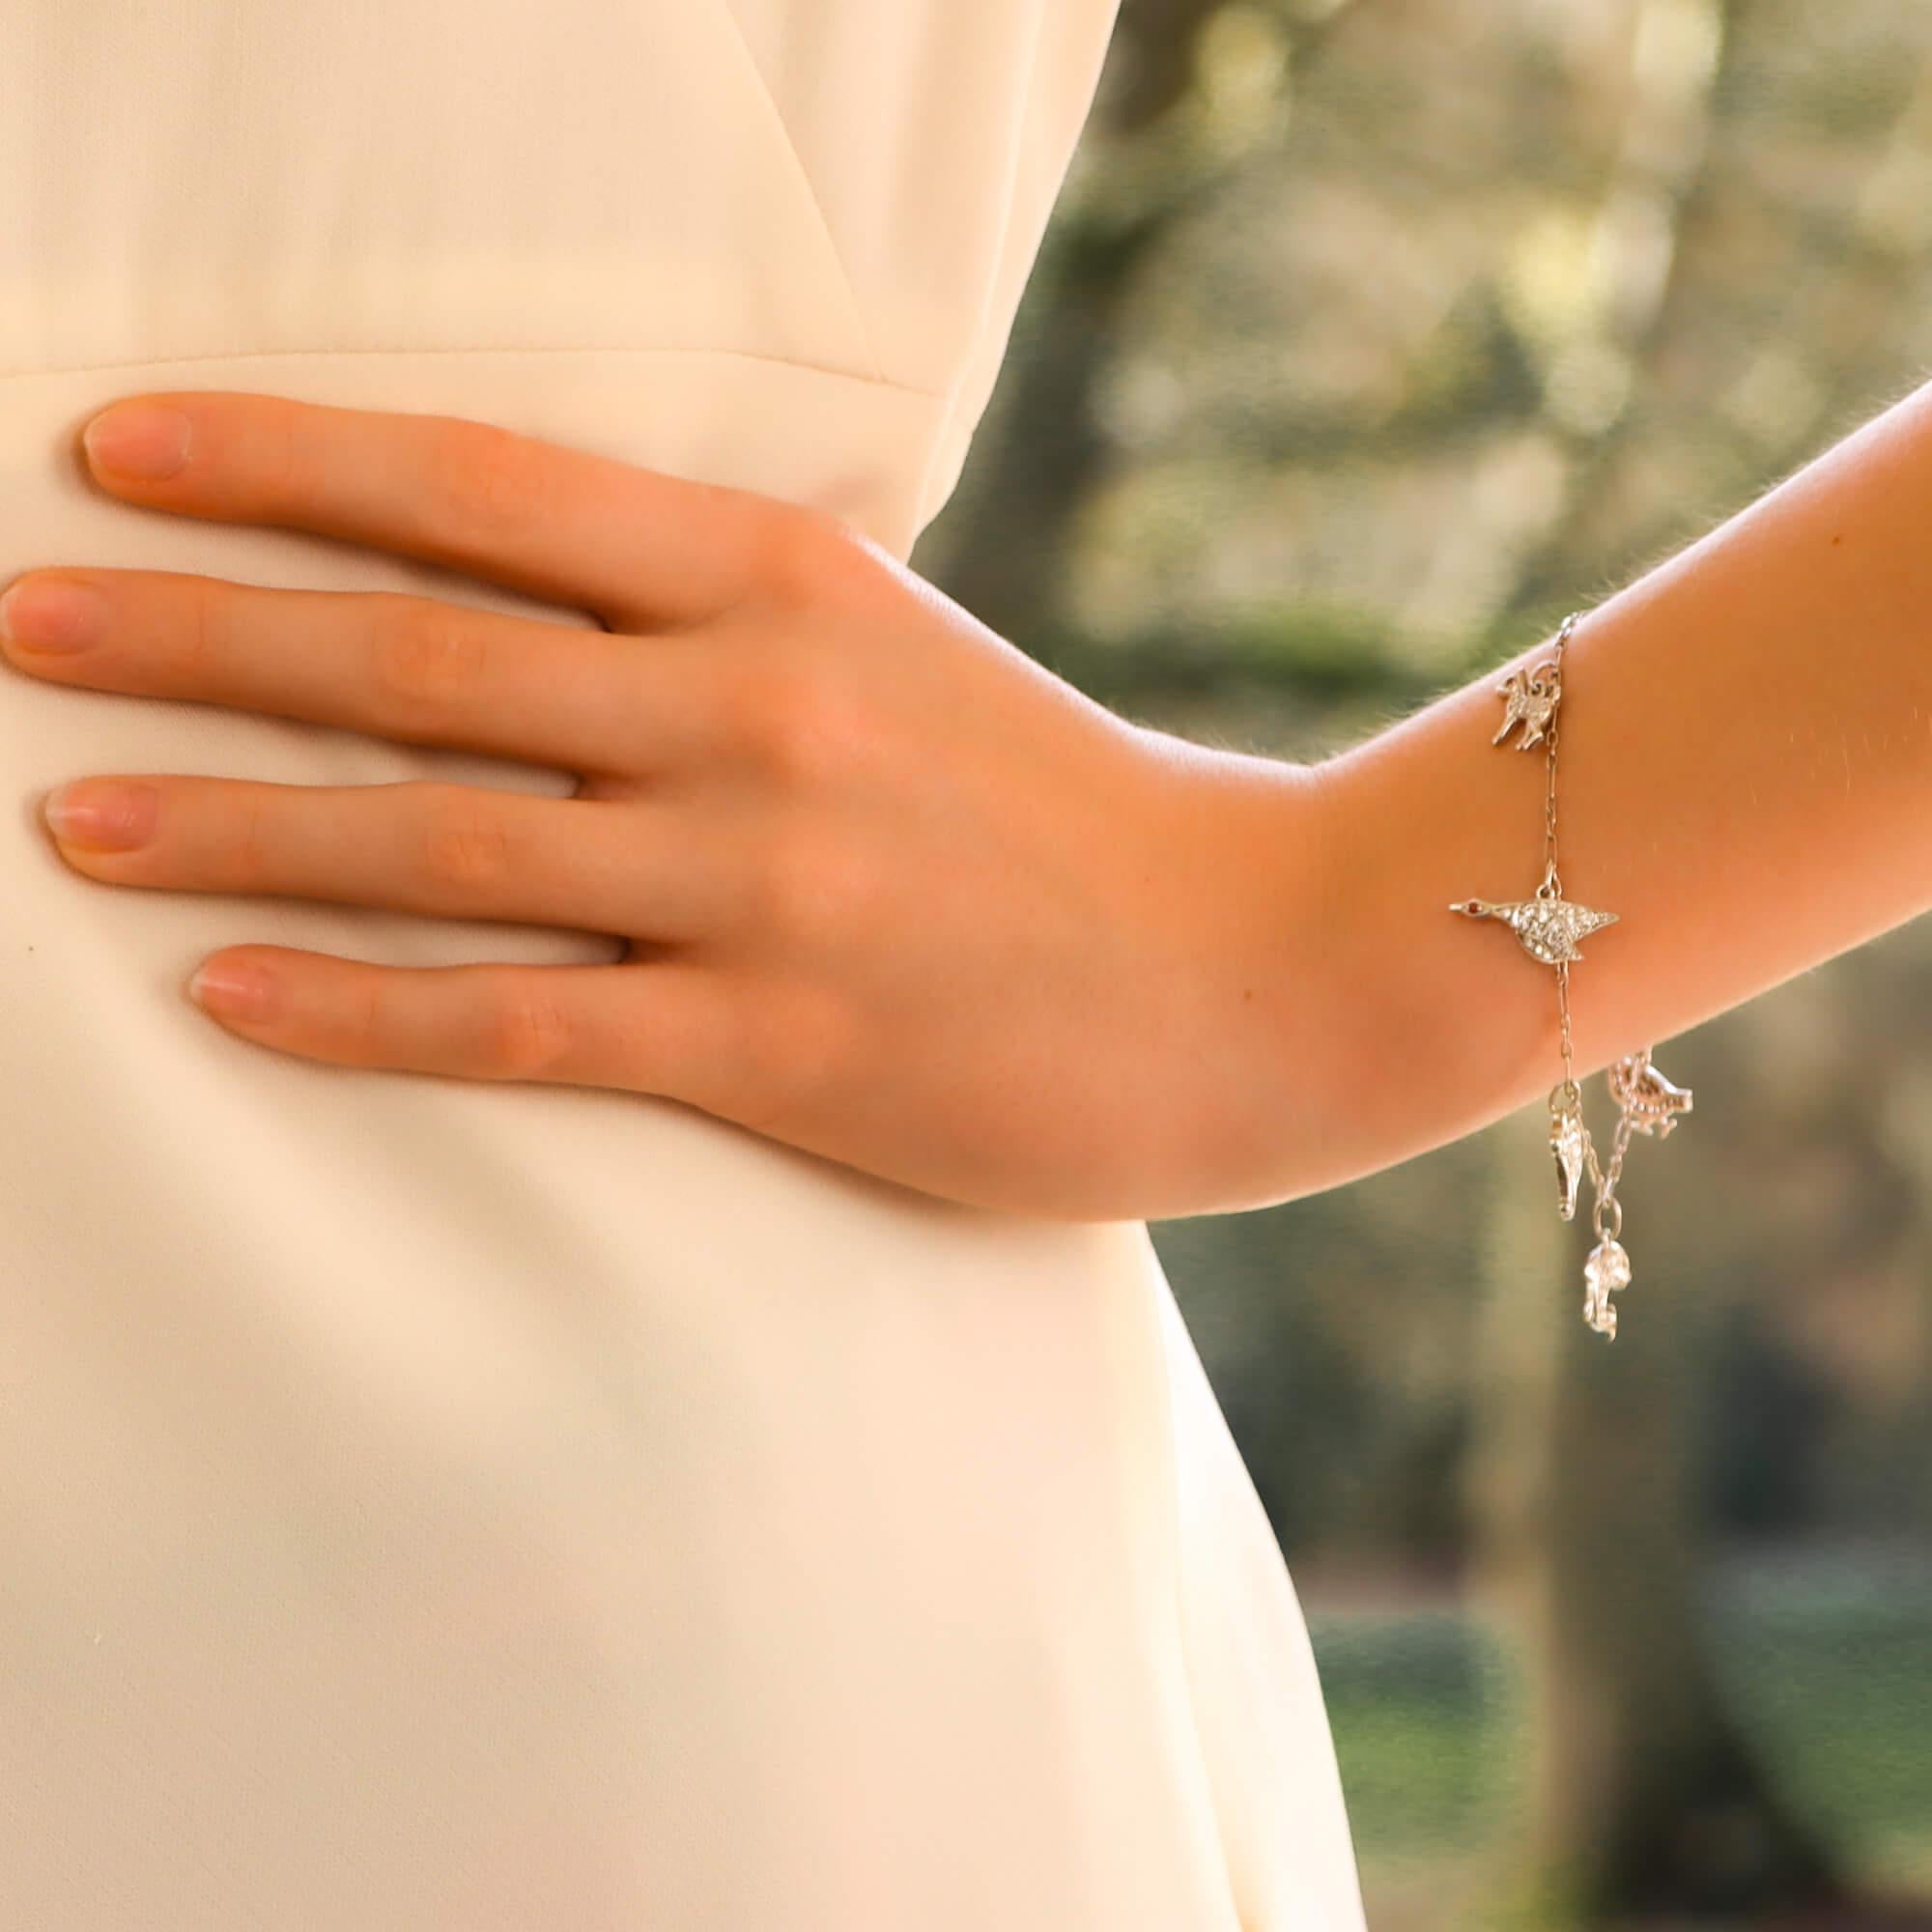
x: 1532, y: 695
x: 1548, y: 927
x: 1566, y: 1144
x: 1652, y: 1102
x: 1607, y: 1269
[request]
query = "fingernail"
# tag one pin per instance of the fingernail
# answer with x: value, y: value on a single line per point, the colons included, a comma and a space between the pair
x: 101, y: 817
x: 139, y: 440
x: 51, y: 613
x: 232, y: 989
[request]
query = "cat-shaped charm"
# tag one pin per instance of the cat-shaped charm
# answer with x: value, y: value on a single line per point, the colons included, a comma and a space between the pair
x: 1532, y: 697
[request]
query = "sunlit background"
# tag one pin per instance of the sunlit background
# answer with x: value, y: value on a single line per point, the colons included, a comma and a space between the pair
x: 1368, y: 340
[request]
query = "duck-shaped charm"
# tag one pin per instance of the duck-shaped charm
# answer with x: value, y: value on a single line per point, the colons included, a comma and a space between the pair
x: 1532, y: 697
x: 1549, y: 926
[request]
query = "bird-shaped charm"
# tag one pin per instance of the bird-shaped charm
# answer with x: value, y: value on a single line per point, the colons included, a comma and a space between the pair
x: 1532, y: 695
x: 1549, y: 926
x: 1567, y: 1134
x: 1652, y: 1102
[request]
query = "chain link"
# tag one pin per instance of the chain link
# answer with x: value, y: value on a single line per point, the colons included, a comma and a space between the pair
x: 1604, y: 1185
x: 1548, y: 927
x: 1607, y: 1213
x: 1555, y: 726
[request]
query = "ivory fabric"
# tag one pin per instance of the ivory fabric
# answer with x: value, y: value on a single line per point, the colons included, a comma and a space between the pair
x: 437, y: 1504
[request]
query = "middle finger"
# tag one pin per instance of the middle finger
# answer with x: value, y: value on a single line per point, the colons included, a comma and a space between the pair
x: 413, y: 669
x: 452, y: 851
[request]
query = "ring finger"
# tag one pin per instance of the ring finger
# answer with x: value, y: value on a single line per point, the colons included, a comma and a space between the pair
x: 452, y: 851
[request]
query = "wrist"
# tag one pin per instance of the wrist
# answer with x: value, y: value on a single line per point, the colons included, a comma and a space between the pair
x: 1239, y: 874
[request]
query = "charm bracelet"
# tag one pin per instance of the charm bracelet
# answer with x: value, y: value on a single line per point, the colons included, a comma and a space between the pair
x: 1548, y: 927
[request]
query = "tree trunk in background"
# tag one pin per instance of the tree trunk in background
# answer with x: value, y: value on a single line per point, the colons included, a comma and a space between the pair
x: 1043, y: 451
x: 1042, y: 448
x: 1008, y: 563
x: 1639, y: 1794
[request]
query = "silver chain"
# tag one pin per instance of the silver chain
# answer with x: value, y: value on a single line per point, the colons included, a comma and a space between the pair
x: 1548, y: 927
x: 1604, y: 1187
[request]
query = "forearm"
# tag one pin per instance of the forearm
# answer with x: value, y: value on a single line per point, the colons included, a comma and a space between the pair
x: 1745, y: 779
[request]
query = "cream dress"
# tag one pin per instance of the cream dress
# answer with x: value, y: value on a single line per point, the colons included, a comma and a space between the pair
x: 433, y: 1504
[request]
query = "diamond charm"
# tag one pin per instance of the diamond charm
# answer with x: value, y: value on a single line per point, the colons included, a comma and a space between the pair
x: 1607, y: 1269
x: 1548, y: 927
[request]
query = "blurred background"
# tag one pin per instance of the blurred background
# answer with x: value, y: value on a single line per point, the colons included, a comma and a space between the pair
x: 1369, y: 338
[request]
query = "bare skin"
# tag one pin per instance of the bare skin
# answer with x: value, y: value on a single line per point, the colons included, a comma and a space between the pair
x: 897, y: 896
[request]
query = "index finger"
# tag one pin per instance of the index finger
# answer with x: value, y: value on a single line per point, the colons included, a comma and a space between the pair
x: 565, y: 525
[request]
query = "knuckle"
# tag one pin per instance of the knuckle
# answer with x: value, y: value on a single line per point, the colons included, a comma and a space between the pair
x: 483, y: 476
x: 784, y: 540
x: 804, y: 719
x: 365, y: 1026
x: 811, y: 891
x: 249, y: 858
x: 808, y: 555
x: 462, y: 840
x: 425, y: 655
x: 528, y: 1031
x: 800, y: 1054
x: 281, y: 456
x: 199, y: 644
x: 750, y: 716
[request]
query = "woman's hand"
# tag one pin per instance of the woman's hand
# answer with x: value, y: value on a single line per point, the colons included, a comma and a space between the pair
x: 893, y: 892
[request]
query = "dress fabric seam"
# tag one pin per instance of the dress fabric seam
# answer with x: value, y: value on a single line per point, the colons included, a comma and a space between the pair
x: 966, y: 369
x: 875, y: 382
x: 763, y: 90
